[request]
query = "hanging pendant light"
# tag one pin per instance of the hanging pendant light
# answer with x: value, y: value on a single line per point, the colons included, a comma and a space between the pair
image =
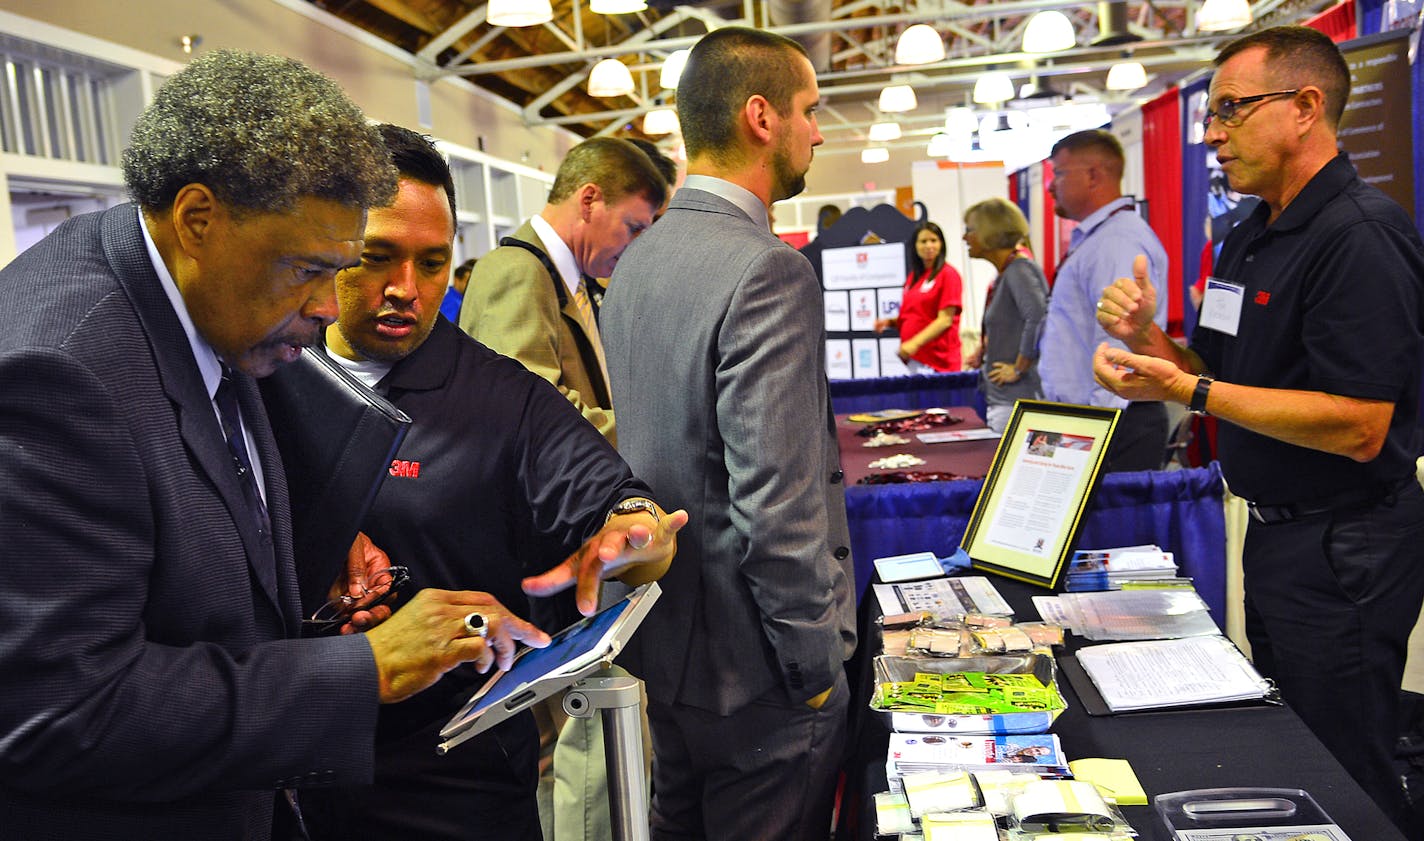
x: 672, y: 68
x: 617, y: 7
x: 1223, y: 15
x: 1126, y: 76
x: 874, y: 155
x: 518, y: 12
x: 660, y: 121
x: 919, y: 44
x: 960, y: 121
x: 882, y: 132
x: 1048, y: 32
x: 897, y: 98
x: 610, y: 77
x: 993, y: 87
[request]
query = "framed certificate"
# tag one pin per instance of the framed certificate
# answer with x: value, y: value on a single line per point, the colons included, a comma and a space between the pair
x: 1027, y: 516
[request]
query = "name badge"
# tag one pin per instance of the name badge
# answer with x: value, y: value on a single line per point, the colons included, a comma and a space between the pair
x: 1221, y: 305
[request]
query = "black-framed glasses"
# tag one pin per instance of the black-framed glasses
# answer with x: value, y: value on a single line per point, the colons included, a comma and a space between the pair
x: 380, y: 588
x: 1228, y: 111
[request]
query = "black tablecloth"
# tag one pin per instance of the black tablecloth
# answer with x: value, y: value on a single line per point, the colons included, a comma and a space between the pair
x: 1169, y: 751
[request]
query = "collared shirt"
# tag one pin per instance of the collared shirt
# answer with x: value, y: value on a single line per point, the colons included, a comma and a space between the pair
x: 368, y: 371
x: 209, y: 366
x: 745, y: 200
x: 1333, y: 290
x: 559, y: 252
x: 1102, y: 249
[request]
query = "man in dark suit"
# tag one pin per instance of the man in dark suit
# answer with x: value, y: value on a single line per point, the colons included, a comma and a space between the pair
x: 154, y: 687
x: 743, y: 656
x: 536, y: 482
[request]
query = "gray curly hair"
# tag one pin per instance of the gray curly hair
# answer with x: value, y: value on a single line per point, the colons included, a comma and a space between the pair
x: 261, y: 132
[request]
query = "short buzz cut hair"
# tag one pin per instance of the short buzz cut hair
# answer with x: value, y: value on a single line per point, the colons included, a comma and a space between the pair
x: 998, y: 222
x: 618, y: 168
x: 261, y: 132
x: 1297, y: 56
x: 415, y: 157
x: 1096, y: 140
x: 725, y: 69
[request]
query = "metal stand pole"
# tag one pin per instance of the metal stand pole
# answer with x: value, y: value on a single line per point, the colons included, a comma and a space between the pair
x: 616, y: 698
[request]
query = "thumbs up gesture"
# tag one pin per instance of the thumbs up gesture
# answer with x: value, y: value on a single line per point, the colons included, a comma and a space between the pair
x: 1126, y: 308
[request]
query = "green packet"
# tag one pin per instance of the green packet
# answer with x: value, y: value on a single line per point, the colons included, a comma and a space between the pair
x: 965, y: 693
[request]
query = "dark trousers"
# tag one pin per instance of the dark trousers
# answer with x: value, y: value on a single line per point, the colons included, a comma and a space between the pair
x: 1140, y: 440
x: 767, y: 771
x: 482, y: 790
x: 1330, y: 603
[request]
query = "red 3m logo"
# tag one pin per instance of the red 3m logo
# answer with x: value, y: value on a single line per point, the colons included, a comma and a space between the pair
x: 405, y: 469
x: 861, y: 258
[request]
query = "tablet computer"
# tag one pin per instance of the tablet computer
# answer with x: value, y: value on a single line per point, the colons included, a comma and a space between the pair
x: 574, y: 653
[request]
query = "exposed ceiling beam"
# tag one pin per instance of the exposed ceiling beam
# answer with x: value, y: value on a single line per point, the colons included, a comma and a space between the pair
x: 453, y: 33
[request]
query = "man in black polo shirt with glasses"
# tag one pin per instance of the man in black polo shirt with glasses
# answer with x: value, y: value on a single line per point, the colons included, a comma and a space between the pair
x: 1311, y: 328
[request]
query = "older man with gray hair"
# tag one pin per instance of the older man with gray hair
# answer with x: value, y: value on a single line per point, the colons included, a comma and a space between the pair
x: 154, y: 685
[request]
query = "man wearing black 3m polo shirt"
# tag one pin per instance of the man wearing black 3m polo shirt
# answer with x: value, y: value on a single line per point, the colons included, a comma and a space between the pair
x: 1312, y: 327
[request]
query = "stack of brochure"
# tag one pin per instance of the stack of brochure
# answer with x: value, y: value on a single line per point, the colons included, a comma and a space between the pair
x: 1107, y: 569
x: 912, y: 753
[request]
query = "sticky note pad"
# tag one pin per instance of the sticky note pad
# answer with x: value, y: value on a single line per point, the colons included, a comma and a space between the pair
x: 1113, y: 777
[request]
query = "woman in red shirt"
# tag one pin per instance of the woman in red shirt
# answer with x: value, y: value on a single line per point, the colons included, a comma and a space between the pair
x: 929, y: 309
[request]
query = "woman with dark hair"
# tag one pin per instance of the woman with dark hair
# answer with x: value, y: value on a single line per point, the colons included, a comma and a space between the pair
x: 929, y: 310
x: 996, y: 230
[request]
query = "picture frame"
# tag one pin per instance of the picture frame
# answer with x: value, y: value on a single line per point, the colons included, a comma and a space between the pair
x: 1026, y: 519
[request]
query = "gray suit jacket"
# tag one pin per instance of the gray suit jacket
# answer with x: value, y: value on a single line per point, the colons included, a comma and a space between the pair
x: 714, y: 334
x: 151, y: 689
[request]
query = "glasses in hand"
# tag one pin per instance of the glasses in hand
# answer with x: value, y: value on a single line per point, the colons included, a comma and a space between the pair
x: 380, y: 588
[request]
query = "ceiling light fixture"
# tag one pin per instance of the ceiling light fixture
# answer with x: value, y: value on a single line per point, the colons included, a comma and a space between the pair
x: 897, y: 98
x: 881, y: 132
x: 1126, y: 76
x: 189, y: 42
x: 941, y: 145
x: 993, y: 87
x: 1223, y: 15
x: 1048, y: 32
x: 610, y: 77
x: 919, y: 44
x: 960, y: 121
x: 617, y: 7
x: 874, y: 155
x: 660, y: 121
x: 672, y: 68
x: 518, y: 12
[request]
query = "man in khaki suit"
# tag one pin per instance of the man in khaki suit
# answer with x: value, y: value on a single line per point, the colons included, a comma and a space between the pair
x: 527, y: 299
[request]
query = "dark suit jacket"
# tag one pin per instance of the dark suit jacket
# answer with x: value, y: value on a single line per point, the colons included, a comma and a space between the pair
x: 150, y: 688
x: 715, y: 339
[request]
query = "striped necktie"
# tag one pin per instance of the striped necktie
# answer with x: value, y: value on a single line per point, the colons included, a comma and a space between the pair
x: 590, y: 325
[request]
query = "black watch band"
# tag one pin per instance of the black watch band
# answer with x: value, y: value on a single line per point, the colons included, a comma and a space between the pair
x: 1198, y: 404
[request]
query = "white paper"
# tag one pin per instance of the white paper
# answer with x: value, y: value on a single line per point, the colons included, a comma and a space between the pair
x: 1221, y: 305
x: 862, y: 310
x: 953, y: 435
x: 838, y: 359
x: 1311, y: 832
x: 859, y: 266
x: 888, y: 301
x: 865, y: 358
x: 837, y: 312
x: 1053, y: 611
x: 1041, y: 492
x: 1170, y: 673
x: 890, y: 364
x: 945, y: 597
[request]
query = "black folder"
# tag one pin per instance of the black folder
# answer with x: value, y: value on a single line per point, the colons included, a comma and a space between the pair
x: 337, y: 438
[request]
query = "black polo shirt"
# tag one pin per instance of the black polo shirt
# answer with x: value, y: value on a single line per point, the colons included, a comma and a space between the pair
x: 1332, y: 304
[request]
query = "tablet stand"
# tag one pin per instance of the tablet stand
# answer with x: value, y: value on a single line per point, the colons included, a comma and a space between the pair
x: 616, y: 698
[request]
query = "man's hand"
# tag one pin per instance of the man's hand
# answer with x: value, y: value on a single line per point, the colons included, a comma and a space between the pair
x: 363, y: 560
x: 630, y: 546
x: 1003, y: 373
x: 1137, y: 377
x: 883, y: 324
x: 1126, y: 308
x: 428, y: 638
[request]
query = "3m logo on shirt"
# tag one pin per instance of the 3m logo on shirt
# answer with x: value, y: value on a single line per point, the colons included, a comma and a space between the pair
x: 1262, y: 298
x: 405, y: 469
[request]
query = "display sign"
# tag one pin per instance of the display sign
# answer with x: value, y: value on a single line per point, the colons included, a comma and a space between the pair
x: 1029, y: 510
x: 1376, y: 131
x: 863, y: 266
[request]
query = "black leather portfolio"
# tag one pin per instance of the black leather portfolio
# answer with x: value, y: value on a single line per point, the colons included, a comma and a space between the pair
x: 337, y: 438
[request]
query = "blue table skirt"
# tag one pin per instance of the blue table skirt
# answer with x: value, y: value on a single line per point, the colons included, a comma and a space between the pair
x: 1178, y: 510
x: 916, y: 391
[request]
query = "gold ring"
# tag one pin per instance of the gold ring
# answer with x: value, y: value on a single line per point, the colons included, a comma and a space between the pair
x: 477, y: 625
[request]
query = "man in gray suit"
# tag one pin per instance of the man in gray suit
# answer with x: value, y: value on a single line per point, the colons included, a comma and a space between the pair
x: 743, y: 656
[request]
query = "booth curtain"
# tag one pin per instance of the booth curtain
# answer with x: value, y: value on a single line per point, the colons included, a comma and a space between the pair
x: 1162, y: 150
x: 1194, y: 206
x: 916, y: 391
x: 1179, y: 510
x: 1338, y: 22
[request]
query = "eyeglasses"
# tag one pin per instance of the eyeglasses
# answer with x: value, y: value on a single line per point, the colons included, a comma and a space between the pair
x: 380, y: 588
x: 1228, y: 111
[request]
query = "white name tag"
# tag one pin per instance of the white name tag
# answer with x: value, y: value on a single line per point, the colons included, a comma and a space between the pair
x: 1221, y: 305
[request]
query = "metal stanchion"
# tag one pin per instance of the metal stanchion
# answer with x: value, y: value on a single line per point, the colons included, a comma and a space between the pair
x: 616, y: 698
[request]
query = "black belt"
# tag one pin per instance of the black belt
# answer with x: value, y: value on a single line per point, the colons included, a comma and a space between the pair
x: 1345, y: 500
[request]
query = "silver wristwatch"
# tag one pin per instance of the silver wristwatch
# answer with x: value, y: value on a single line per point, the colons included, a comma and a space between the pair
x: 633, y: 505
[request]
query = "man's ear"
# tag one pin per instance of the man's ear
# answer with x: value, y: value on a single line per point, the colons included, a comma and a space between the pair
x: 759, y: 118
x: 1310, y: 108
x: 195, y: 210
x: 589, y: 195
